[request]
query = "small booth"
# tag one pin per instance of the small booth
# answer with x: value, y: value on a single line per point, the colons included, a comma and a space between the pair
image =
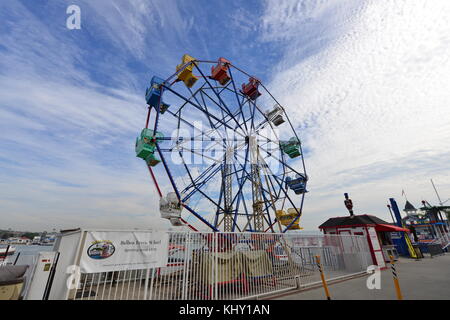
x: 377, y: 232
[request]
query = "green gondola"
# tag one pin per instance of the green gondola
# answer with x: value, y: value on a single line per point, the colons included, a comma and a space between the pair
x: 291, y: 147
x: 146, y: 146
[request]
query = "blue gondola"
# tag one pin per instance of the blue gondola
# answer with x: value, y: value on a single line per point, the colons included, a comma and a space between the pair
x: 153, y: 94
x: 298, y: 184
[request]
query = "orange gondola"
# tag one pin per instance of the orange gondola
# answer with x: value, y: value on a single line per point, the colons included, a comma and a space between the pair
x: 220, y: 71
x: 251, y: 88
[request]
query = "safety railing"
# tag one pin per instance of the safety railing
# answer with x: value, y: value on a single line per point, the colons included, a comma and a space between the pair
x: 217, y: 266
x: 443, y: 240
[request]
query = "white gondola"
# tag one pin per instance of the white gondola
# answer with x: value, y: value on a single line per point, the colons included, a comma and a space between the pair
x: 275, y: 115
x: 170, y: 208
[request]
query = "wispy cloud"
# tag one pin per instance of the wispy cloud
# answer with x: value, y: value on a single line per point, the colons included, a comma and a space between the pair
x: 370, y: 101
x: 364, y: 82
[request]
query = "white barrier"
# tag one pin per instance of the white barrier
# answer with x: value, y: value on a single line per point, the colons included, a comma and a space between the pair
x: 217, y: 266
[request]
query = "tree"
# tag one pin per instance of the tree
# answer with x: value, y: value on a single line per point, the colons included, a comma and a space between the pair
x: 30, y: 235
x: 5, y: 234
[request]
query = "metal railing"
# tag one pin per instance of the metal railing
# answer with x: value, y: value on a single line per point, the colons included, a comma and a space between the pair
x: 217, y: 266
x: 443, y: 240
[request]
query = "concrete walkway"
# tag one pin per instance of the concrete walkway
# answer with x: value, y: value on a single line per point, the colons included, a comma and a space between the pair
x: 427, y: 279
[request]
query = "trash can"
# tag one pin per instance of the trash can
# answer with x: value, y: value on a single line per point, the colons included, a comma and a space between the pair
x: 11, y: 281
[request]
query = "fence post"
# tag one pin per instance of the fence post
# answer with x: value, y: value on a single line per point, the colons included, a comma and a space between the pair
x: 151, y: 284
x: 396, y: 283
x: 187, y: 255
x: 324, y: 282
x: 214, y: 295
x: 147, y: 276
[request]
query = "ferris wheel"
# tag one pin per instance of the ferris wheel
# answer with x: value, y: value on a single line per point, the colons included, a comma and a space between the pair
x: 222, y: 155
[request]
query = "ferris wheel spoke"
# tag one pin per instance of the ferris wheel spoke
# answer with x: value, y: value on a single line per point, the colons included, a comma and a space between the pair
x: 237, y: 98
x: 199, y: 184
x: 196, y: 188
x: 192, y: 96
x: 177, y: 192
x: 280, y: 161
x: 207, y: 113
x: 218, y: 125
x: 202, y: 133
x: 227, y: 111
x: 252, y: 108
x: 218, y: 97
x: 209, y: 118
x: 200, y: 108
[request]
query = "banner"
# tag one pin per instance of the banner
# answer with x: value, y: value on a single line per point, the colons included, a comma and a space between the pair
x: 124, y: 250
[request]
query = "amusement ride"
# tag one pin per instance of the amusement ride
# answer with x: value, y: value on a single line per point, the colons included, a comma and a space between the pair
x: 224, y: 149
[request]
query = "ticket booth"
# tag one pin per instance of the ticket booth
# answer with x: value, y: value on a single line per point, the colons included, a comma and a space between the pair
x: 377, y: 232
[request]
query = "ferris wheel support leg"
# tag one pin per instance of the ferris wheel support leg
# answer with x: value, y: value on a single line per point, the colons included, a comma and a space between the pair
x: 154, y: 181
x: 201, y: 218
x: 238, y: 196
x: 186, y: 223
x: 148, y: 117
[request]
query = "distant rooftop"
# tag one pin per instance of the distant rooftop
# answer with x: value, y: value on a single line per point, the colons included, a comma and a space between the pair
x: 363, y: 219
x: 408, y: 206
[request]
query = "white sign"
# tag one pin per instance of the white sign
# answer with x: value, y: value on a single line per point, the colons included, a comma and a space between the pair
x: 124, y: 250
x: 380, y: 259
x: 376, y: 247
x: 374, y: 239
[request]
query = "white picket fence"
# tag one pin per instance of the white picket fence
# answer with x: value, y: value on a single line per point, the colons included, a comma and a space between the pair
x: 218, y: 266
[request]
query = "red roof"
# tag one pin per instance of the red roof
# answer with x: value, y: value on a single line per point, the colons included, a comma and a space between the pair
x: 390, y: 228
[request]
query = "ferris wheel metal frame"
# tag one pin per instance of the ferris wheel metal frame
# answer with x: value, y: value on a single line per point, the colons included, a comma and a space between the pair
x: 236, y: 170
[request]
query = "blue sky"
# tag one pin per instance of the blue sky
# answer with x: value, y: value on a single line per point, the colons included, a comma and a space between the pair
x: 366, y: 83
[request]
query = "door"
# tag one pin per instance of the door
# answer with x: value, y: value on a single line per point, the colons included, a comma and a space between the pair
x: 346, y: 240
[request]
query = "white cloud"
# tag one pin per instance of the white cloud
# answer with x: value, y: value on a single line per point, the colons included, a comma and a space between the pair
x: 371, y: 102
x: 366, y: 82
x: 67, y: 142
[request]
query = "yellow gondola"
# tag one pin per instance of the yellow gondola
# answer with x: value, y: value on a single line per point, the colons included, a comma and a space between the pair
x: 186, y: 75
x: 286, y: 218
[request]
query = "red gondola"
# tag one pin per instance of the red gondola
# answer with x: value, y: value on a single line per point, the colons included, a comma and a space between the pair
x: 220, y: 71
x: 251, y: 88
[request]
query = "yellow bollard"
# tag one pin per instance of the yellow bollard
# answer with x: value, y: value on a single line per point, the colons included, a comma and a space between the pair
x: 396, y: 283
x: 324, y: 282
